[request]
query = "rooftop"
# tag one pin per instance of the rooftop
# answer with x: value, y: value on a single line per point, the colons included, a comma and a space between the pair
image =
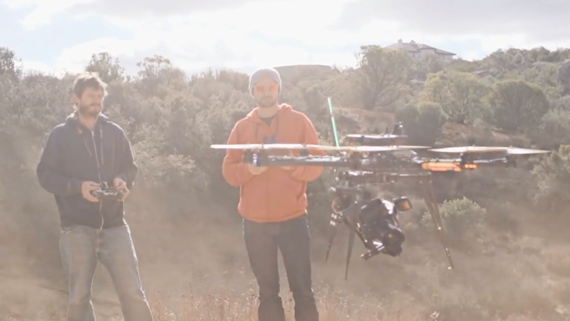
x: 412, y: 46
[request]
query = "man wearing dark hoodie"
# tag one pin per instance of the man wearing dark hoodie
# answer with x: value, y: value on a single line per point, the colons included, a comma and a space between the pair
x: 80, y: 155
x: 273, y: 201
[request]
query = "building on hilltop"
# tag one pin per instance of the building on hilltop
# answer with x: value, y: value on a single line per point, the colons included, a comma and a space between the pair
x: 419, y: 51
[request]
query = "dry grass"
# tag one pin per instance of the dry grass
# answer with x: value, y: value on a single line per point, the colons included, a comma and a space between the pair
x: 243, y: 307
x: 505, y: 287
x: 194, y: 271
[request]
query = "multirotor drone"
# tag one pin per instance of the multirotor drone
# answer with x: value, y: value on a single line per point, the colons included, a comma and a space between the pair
x: 378, y: 159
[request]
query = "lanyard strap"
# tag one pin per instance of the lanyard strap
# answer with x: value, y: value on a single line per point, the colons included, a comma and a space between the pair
x: 271, y: 140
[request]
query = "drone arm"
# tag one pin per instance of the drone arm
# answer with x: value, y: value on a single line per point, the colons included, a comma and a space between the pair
x: 456, y: 165
x: 308, y: 173
x: 493, y: 163
x: 235, y: 171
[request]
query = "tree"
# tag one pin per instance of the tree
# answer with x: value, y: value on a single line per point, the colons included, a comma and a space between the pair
x: 555, y: 127
x: 427, y: 65
x: 424, y: 125
x: 517, y: 104
x: 463, y: 65
x: 108, y: 68
x: 545, y: 75
x: 157, y: 76
x: 553, y: 176
x: 153, y: 67
x: 459, y: 94
x: 564, y: 77
x: 500, y: 62
x: 381, y: 78
x: 8, y: 63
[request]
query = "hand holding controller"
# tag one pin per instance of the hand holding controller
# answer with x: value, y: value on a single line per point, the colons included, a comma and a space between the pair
x: 106, y: 192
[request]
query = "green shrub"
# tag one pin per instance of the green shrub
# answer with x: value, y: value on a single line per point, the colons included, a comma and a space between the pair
x: 518, y: 105
x: 423, y: 125
x: 463, y: 221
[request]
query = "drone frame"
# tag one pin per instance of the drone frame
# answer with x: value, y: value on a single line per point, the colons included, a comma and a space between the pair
x: 375, y: 164
x: 369, y: 173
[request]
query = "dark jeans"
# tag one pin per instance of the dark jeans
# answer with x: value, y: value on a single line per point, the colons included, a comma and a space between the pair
x: 293, y: 239
x: 81, y: 247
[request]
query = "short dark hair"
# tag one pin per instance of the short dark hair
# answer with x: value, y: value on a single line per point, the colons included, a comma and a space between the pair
x: 88, y: 80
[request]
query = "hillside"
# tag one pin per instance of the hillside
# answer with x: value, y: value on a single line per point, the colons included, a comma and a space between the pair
x: 507, y: 227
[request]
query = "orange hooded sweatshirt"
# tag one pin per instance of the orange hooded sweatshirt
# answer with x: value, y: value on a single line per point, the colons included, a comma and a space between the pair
x: 277, y: 194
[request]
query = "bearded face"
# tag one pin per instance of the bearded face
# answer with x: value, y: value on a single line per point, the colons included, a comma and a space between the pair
x: 90, y: 103
x: 266, y: 102
x: 266, y: 92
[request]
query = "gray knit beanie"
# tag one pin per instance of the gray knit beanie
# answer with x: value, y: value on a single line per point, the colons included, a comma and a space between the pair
x: 264, y: 72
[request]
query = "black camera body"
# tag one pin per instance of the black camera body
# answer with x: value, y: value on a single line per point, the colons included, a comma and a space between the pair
x: 107, y: 192
x: 373, y: 219
x: 380, y: 225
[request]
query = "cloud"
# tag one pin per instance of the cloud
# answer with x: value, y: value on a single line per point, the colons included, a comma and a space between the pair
x: 34, y: 67
x: 43, y: 12
x: 194, y: 52
x: 545, y: 21
x: 240, y: 38
x: 19, y: 4
x: 164, y: 8
x: 244, y: 34
x: 274, y: 21
x: 76, y: 58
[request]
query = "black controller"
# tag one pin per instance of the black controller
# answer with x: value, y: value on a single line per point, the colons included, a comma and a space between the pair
x: 106, y: 192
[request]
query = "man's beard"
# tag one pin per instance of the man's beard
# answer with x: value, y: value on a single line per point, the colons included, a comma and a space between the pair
x: 267, y: 102
x: 88, y: 111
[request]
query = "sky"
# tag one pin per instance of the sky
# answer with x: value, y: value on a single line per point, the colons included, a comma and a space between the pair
x: 53, y: 36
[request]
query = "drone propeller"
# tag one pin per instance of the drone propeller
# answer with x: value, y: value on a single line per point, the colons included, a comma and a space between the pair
x: 525, y: 151
x: 317, y: 147
x: 488, y: 149
x: 269, y: 146
x: 378, y: 148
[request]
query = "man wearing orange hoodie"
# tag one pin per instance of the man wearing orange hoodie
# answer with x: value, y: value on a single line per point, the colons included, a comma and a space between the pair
x: 273, y: 201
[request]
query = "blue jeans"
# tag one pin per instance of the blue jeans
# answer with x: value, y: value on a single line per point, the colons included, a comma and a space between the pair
x: 81, y: 247
x: 293, y: 239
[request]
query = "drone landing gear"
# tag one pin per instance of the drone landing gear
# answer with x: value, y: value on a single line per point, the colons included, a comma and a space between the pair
x: 376, y: 224
x: 429, y: 197
x: 348, y: 218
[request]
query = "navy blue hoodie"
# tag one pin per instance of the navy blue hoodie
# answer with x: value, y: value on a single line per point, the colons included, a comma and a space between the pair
x: 73, y: 154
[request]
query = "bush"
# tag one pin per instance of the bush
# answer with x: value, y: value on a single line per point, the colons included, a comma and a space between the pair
x: 553, y: 177
x: 423, y: 125
x: 459, y: 94
x: 463, y: 220
x: 518, y: 105
x: 555, y: 128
